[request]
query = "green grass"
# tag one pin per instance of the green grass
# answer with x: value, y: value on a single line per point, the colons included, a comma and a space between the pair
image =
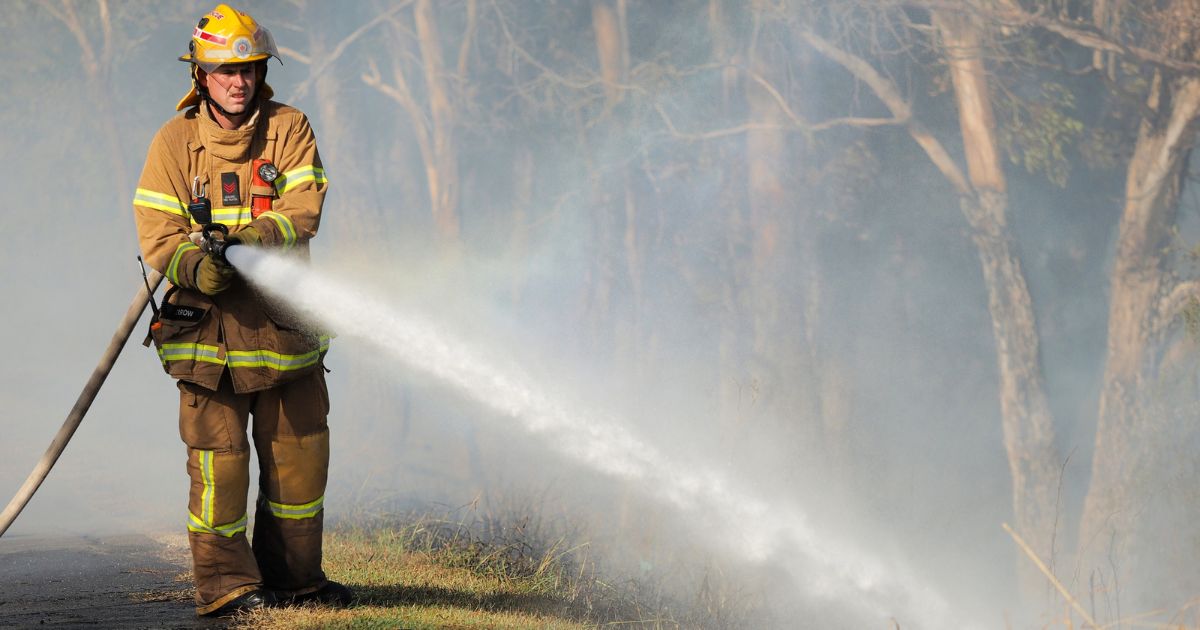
x: 430, y: 573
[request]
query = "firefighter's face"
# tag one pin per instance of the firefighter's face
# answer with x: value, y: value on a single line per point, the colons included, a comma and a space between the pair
x: 232, y: 86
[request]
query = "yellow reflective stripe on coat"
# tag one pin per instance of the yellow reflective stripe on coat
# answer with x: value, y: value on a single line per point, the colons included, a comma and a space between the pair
x: 236, y: 527
x: 159, y: 201
x: 232, y: 217
x: 242, y: 358
x: 286, y: 228
x: 173, y: 266
x: 297, y: 511
x: 293, y: 178
x: 273, y: 360
x: 189, y: 352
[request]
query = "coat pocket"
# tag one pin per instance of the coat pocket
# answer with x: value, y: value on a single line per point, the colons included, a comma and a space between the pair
x: 298, y: 342
x: 185, y: 334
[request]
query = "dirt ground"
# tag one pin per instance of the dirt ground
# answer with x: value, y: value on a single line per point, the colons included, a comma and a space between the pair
x: 121, y: 582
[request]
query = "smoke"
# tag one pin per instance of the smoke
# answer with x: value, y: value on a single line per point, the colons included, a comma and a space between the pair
x: 534, y: 363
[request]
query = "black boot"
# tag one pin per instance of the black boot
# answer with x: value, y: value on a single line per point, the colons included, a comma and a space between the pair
x: 332, y: 594
x: 245, y: 602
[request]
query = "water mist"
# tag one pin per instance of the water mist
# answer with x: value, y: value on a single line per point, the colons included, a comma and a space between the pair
x: 750, y: 527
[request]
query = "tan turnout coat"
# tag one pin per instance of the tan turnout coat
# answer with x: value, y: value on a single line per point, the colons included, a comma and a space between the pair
x: 197, y: 336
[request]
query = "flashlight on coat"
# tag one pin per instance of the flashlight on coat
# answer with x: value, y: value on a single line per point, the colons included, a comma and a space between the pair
x: 262, y: 186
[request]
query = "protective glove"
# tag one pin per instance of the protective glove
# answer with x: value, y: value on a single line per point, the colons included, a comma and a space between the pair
x: 199, y: 240
x: 213, y: 277
x: 245, y: 236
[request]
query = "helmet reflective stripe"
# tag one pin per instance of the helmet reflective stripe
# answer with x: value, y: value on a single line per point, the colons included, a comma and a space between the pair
x: 173, y: 268
x: 159, y: 201
x: 209, y: 37
x: 303, y: 510
x: 293, y: 178
x: 195, y: 524
x: 190, y: 352
x: 286, y: 227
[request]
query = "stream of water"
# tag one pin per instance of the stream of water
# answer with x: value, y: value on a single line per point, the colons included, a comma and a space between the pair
x: 727, y: 513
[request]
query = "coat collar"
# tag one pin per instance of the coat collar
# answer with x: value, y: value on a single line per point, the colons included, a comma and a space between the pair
x: 228, y: 144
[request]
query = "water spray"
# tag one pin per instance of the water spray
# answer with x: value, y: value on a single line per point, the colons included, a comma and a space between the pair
x: 754, y: 528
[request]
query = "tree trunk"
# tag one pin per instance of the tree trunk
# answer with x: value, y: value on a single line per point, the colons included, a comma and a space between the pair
x: 1027, y: 423
x: 442, y: 173
x: 610, y: 48
x: 1139, y: 284
x: 609, y: 29
x: 733, y: 390
x: 354, y: 192
x: 1025, y: 415
x: 781, y: 307
x: 96, y: 59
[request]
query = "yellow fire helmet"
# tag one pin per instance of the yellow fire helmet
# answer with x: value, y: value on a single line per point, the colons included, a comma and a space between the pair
x: 226, y: 35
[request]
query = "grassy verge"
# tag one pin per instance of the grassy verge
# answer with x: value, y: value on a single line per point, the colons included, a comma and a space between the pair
x: 429, y: 573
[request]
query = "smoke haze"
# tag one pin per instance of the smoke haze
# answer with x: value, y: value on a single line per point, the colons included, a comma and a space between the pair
x: 601, y: 256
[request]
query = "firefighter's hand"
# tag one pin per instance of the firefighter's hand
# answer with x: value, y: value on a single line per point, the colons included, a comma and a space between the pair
x: 245, y: 236
x: 213, y: 277
x: 197, y: 238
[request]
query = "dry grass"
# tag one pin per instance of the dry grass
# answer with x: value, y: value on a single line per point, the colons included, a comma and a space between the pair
x: 433, y: 573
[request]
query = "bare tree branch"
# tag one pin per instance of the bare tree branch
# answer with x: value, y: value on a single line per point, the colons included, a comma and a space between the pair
x: 1081, y: 33
x: 529, y: 58
x: 401, y: 95
x: 889, y: 94
x: 337, y: 51
x: 716, y: 133
x: 824, y: 125
x: 1174, y: 301
x: 464, y: 49
x: 295, y: 54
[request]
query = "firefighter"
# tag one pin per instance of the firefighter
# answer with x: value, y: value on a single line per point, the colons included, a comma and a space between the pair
x: 235, y: 353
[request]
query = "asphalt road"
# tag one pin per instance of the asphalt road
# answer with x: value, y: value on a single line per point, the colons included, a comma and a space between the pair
x: 121, y: 582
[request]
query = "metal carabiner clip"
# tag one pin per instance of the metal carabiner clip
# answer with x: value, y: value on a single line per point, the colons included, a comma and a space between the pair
x: 197, y: 189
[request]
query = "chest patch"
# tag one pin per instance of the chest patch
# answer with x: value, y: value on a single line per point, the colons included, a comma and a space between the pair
x: 230, y: 193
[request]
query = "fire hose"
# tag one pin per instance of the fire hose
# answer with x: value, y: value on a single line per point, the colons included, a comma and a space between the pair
x: 215, y: 243
x: 214, y: 237
x: 82, y: 404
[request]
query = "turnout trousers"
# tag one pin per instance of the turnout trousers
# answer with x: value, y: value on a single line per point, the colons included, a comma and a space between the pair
x: 291, y: 438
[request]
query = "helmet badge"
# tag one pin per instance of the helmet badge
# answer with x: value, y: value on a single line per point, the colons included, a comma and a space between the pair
x: 242, y: 47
